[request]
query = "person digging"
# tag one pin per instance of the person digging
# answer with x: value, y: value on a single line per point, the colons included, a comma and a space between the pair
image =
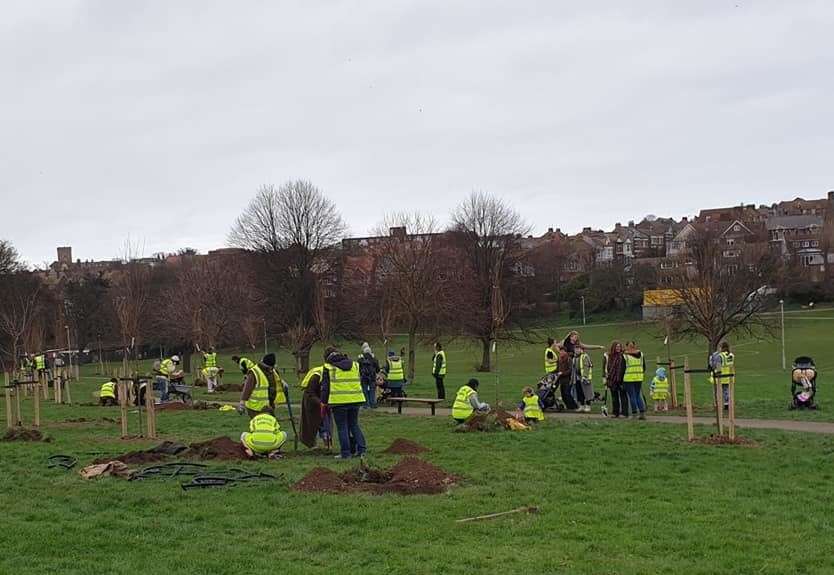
x: 260, y: 389
x: 467, y: 402
x: 264, y: 438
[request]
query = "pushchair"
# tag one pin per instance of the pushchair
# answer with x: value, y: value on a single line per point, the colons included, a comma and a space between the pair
x: 803, y: 383
x: 548, y: 391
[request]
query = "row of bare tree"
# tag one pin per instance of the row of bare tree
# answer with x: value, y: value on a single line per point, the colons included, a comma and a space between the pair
x: 294, y: 280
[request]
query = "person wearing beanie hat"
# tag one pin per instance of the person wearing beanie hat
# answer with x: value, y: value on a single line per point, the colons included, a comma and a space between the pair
x: 341, y: 392
x: 260, y: 388
x: 368, y: 370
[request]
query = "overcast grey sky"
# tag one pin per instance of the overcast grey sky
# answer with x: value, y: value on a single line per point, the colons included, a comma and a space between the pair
x: 159, y: 120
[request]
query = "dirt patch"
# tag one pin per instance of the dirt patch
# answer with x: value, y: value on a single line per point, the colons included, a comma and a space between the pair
x: 133, y: 458
x: 220, y: 448
x: 492, y: 421
x: 411, y: 476
x: 205, y: 405
x: 172, y: 406
x: 405, y: 447
x: 22, y: 434
x: 230, y: 387
x: 724, y: 440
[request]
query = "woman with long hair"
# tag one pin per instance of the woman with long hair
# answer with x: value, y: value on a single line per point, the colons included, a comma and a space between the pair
x: 614, y: 373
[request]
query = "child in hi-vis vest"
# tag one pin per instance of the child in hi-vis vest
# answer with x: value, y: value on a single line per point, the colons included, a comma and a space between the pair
x: 660, y: 390
x: 531, y: 406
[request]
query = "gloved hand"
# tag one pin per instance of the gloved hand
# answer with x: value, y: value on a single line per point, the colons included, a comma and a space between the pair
x: 323, y: 411
x: 241, y: 409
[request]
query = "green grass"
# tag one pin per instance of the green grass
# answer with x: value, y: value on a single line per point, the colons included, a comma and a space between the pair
x: 615, y: 497
x: 762, y: 387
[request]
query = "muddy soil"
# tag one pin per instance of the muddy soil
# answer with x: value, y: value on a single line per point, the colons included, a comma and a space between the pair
x: 411, y: 476
x: 219, y: 448
x: 22, y: 434
x: 402, y: 446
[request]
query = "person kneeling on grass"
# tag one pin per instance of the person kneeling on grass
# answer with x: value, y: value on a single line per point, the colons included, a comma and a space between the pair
x: 467, y: 402
x: 107, y: 393
x: 264, y: 438
x: 531, y: 406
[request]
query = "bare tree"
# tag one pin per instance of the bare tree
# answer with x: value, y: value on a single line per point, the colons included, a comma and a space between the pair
x: 488, y: 231
x: 720, y: 298
x: 20, y: 295
x: 412, y: 270
x: 292, y: 228
x: 130, y: 294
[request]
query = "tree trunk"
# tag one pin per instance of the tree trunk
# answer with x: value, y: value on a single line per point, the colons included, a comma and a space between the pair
x: 302, y: 358
x: 486, y: 359
x: 186, y: 362
x: 412, y: 337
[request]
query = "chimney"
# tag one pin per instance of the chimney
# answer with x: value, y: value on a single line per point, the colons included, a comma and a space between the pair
x: 550, y: 230
x: 398, y: 232
x: 65, y: 255
x: 685, y: 220
x: 631, y: 223
x: 586, y: 230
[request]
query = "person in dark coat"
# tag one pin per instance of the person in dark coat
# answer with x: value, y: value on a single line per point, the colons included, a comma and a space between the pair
x: 315, y: 421
x: 368, y: 370
x: 614, y: 372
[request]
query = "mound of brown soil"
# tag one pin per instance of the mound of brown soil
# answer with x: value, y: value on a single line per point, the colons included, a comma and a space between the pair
x: 172, y: 406
x: 133, y: 458
x: 21, y: 434
x: 405, y: 447
x: 230, y: 387
x: 492, y: 421
x: 220, y: 448
x: 411, y: 476
x: 320, y: 480
x: 724, y: 440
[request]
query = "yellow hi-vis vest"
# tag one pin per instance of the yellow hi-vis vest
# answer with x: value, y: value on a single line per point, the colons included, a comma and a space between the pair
x: 532, y: 410
x: 396, y: 372
x: 40, y: 362
x: 728, y: 366
x: 209, y: 360
x: 108, y: 390
x: 660, y: 389
x: 345, y: 386
x: 634, y: 369
x: 167, y: 367
x: 309, y: 376
x: 265, y: 434
x: 462, y: 409
x: 442, y: 355
x: 259, y: 400
x: 280, y: 398
x: 586, y: 367
x: 550, y: 365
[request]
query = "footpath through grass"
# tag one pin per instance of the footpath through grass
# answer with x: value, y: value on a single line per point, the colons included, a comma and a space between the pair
x: 615, y: 497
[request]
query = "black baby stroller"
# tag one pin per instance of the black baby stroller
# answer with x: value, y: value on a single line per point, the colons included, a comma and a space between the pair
x: 803, y: 383
x: 548, y: 391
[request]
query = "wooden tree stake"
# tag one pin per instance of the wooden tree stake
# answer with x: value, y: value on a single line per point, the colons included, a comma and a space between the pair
x: 673, y: 384
x: 687, y: 399
x: 719, y: 405
x: 8, y: 389
x: 37, y: 404
x: 123, y: 407
x: 731, y: 414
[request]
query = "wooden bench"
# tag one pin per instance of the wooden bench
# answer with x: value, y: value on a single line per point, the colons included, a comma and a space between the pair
x: 432, y: 403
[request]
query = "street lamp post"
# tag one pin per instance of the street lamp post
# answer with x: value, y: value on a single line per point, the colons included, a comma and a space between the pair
x: 583, y: 310
x: 782, y: 314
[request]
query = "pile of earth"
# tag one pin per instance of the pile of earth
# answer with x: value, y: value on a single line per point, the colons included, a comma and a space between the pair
x: 402, y: 446
x: 204, y: 405
x: 219, y: 449
x: 713, y: 439
x: 411, y: 476
x: 230, y: 387
x: 171, y: 406
x: 22, y: 434
x: 493, y: 421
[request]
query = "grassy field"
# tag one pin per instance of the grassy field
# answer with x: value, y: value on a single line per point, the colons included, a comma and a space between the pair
x: 615, y: 497
x: 762, y: 387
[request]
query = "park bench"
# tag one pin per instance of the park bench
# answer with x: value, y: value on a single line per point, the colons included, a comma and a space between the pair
x: 432, y: 403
